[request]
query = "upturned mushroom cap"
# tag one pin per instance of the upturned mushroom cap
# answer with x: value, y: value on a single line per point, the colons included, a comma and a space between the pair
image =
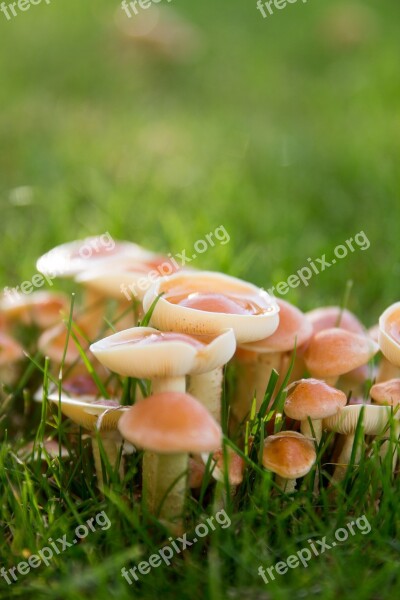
x: 293, y: 329
x: 333, y: 352
x: 289, y: 454
x: 67, y: 260
x: 171, y: 422
x: 389, y: 334
x: 146, y: 352
x: 314, y: 399
x: 375, y: 419
x: 208, y: 302
x: 387, y: 392
x: 89, y: 413
x: 135, y: 276
x: 43, y: 309
x: 327, y: 317
x: 10, y: 350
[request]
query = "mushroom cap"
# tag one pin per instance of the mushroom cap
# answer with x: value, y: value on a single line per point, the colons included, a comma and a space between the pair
x: 387, y: 392
x: 208, y: 302
x: 135, y: 276
x: 145, y: 352
x: 51, y: 447
x: 314, y: 399
x: 389, y: 334
x: 288, y: 454
x: 293, y: 329
x: 375, y: 419
x: 171, y: 422
x: 326, y: 317
x: 89, y: 413
x: 235, y: 466
x: 67, y: 260
x: 333, y: 352
x: 44, y: 309
x: 10, y: 350
x: 52, y: 343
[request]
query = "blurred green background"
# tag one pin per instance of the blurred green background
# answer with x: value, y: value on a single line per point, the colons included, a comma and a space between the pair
x: 284, y: 130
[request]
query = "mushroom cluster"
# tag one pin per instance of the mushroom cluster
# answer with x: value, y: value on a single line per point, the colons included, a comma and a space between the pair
x: 304, y: 378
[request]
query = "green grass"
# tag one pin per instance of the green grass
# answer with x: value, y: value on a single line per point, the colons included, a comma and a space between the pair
x: 292, y: 144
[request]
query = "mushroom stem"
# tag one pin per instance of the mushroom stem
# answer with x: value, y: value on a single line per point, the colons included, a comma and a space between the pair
x: 164, y: 485
x: 112, y: 446
x: 253, y: 376
x: 386, y: 371
x: 93, y: 311
x: 168, y: 384
x: 207, y: 388
x: 345, y: 457
x: 306, y: 430
x: 287, y: 485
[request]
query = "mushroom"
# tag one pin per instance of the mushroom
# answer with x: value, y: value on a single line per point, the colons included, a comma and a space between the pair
x: 261, y: 357
x: 43, y: 309
x: 11, y: 352
x: 208, y: 303
x: 314, y: 400
x: 388, y: 394
x: 126, y: 281
x: 97, y: 417
x: 333, y: 352
x: 169, y: 426
x: 373, y: 420
x: 167, y: 358
x: 70, y: 259
x: 327, y: 317
x: 290, y: 455
x: 389, y: 334
x: 233, y: 468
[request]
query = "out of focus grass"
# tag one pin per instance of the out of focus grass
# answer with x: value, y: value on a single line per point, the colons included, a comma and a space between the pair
x: 287, y: 138
x: 281, y: 132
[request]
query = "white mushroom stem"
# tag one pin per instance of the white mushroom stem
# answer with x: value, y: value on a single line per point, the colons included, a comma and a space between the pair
x: 164, y: 485
x: 111, y: 443
x: 93, y: 312
x: 306, y: 430
x: 345, y: 457
x: 253, y: 376
x: 207, y: 388
x: 287, y: 485
x: 386, y: 371
x: 168, y: 384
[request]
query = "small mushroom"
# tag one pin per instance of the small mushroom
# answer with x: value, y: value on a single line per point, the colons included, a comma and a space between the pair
x: 11, y: 353
x: 43, y: 309
x: 333, y: 352
x: 169, y: 426
x: 290, y: 455
x: 233, y: 468
x: 315, y: 400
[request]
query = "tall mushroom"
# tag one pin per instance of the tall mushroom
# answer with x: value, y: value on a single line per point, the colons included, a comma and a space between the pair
x: 373, y: 421
x: 389, y: 334
x: 169, y: 426
x: 290, y: 455
x: 208, y: 303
